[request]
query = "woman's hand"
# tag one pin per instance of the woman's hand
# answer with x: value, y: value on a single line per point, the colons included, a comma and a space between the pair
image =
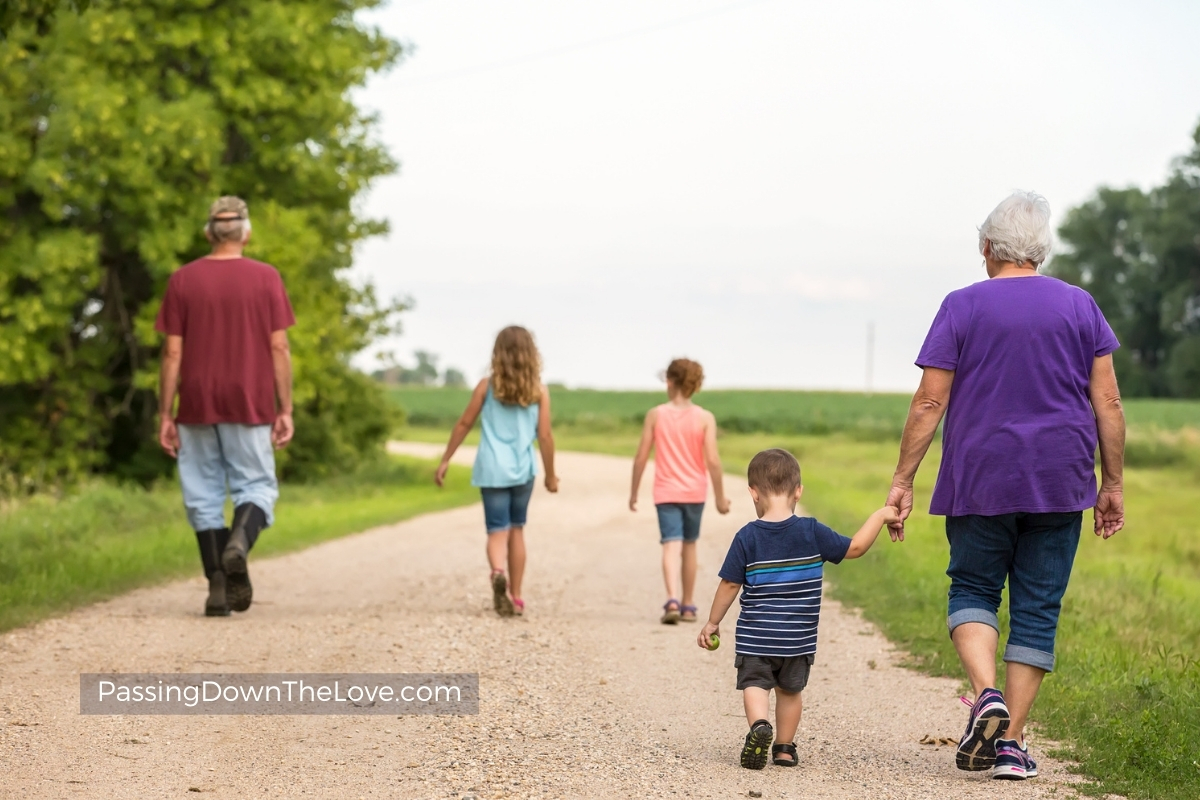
x: 439, y: 477
x: 552, y: 484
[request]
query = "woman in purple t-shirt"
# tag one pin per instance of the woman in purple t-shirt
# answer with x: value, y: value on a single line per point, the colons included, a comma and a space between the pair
x: 1030, y: 361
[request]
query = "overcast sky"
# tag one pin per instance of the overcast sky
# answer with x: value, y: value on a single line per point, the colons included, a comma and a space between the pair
x: 745, y: 183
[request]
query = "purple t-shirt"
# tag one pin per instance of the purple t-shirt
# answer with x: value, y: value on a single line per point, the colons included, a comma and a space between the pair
x: 1020, y: 433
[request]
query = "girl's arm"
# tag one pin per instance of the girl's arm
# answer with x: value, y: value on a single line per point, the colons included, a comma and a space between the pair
x: 461, y: 429
x: 546, y: 440
x: 643, y: 455
x: 713, y: 459
x: 722, y: 600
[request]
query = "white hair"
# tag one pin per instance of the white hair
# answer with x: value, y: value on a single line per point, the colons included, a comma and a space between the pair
x: 1018, y: 229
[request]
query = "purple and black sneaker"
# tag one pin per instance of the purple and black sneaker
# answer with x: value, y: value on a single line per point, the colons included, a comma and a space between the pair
x: 987, y: 723
x: 1013, y: 762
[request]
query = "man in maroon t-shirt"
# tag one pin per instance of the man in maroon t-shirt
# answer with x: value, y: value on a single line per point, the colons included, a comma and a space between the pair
x: 226, y: 319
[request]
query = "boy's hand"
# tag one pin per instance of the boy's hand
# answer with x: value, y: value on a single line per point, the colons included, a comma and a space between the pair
x: 891, y: 515
x: 708, y: 630
x: 722, y: 505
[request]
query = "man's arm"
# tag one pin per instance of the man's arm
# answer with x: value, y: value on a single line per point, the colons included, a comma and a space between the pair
x: 712, y: 459
x: 1109, y: 512
x: 168, y: 385
x: 281, y: 358
x: 924, y: 415
x: 726, y: 593
x: 642, y: 456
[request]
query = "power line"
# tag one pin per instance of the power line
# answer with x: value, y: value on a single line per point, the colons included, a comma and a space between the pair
x: 571, y: 48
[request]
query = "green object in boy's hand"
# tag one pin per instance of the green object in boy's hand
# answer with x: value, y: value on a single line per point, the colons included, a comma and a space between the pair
x: 714, y: 642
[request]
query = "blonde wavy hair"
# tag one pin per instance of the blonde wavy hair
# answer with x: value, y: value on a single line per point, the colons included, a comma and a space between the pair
x: 516, y: 367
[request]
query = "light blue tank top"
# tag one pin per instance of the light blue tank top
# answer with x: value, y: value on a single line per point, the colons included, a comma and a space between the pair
x: 505, y: 456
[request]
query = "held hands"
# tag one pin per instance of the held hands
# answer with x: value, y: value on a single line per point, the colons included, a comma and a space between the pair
x: 168, y: 436
x: 901, y: 499
x: 708, y: 630
x: 890, y: 515
x: 1109, y: 512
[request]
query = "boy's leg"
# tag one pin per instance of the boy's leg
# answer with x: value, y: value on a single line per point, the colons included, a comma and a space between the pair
x: 757, y: 702
x: 788, y: 708
x: 516, y: 560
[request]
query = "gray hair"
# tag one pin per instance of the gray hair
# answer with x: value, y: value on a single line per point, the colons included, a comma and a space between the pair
x: 228, y: 220
x: 1019, y: 229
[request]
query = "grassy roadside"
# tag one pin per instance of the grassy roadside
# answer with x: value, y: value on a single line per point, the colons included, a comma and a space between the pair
x: 102, y: 540
x: 1126, y: 695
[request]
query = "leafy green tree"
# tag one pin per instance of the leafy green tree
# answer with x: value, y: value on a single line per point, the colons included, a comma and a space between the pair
x: 1138, y: 253
x: 454, y: 378
x: 120, y: 121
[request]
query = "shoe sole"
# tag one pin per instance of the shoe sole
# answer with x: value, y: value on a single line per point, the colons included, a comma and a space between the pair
x: 670, y: 618
x: 757, y: 748
x: 978, y: 752
x: 500, y: 601
x: 238, y: 590
x: 1012, y: 774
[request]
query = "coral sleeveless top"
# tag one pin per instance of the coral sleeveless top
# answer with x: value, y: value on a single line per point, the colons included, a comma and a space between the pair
x: 680, y: 475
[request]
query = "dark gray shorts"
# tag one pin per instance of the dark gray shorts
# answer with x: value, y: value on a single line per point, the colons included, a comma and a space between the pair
x: 789, y: 674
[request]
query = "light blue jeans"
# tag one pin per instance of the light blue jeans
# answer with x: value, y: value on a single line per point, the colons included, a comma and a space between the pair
x: 214, y: 457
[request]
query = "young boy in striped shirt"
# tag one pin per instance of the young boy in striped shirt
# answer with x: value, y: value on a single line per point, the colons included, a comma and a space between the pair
x: 776, y: 563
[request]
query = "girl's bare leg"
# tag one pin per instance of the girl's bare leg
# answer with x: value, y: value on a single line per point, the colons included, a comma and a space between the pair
x: 689, y: 572
x: 516, y: 560
x: 497, y: 550
x: 671, y: 553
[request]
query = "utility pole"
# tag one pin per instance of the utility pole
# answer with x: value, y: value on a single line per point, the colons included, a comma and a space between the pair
x: 870, y: 356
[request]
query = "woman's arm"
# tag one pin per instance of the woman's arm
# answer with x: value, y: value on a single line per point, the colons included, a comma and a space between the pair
x: 643, y: 455
x: 713, y: 460
x: 461, y: 429
x: 1109, y: 512
x: 546, y: 440
x: 924, y: 415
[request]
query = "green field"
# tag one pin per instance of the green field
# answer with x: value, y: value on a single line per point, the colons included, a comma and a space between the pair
x: 872, y: 417
x: 103, y: 539
x: 1125, y: 699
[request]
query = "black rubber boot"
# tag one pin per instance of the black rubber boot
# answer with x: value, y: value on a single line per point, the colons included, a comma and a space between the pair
x: 248, y: 521
x: 217, y: 605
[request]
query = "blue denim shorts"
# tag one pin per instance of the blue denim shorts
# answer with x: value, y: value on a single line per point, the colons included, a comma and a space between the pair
x: 679, y: 521
x: 1035, y: 553
x: 505, y: 507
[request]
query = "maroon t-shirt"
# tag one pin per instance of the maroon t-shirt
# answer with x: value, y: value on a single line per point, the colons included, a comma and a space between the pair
x: 226, y: 310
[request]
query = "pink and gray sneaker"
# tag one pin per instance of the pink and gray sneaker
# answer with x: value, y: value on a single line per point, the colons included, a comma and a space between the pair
x: 987, y: 723
x: 1013, y: 762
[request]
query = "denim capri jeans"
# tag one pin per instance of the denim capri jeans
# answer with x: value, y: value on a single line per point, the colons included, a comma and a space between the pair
x: 678, y: 521
x: 1035, y: 553
x: 505, y: 507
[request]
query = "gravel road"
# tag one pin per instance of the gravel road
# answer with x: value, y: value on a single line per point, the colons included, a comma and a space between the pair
x: 586, y: 696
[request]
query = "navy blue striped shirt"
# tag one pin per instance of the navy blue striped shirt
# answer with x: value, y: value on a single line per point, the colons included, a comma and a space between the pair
x: 779, y: 566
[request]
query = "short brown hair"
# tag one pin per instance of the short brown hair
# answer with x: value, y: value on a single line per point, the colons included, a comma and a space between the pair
x: 774, y: 472
x: 228, y: 219
x: 687, y: 376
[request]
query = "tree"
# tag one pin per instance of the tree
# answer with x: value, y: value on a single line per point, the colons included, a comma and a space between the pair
x: 120, y: 121
x: 425, y: 373
x: 1138, y: 253
x: 454, y: 378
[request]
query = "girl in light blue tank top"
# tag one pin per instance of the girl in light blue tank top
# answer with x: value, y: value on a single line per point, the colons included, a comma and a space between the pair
x: 515, y: 410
